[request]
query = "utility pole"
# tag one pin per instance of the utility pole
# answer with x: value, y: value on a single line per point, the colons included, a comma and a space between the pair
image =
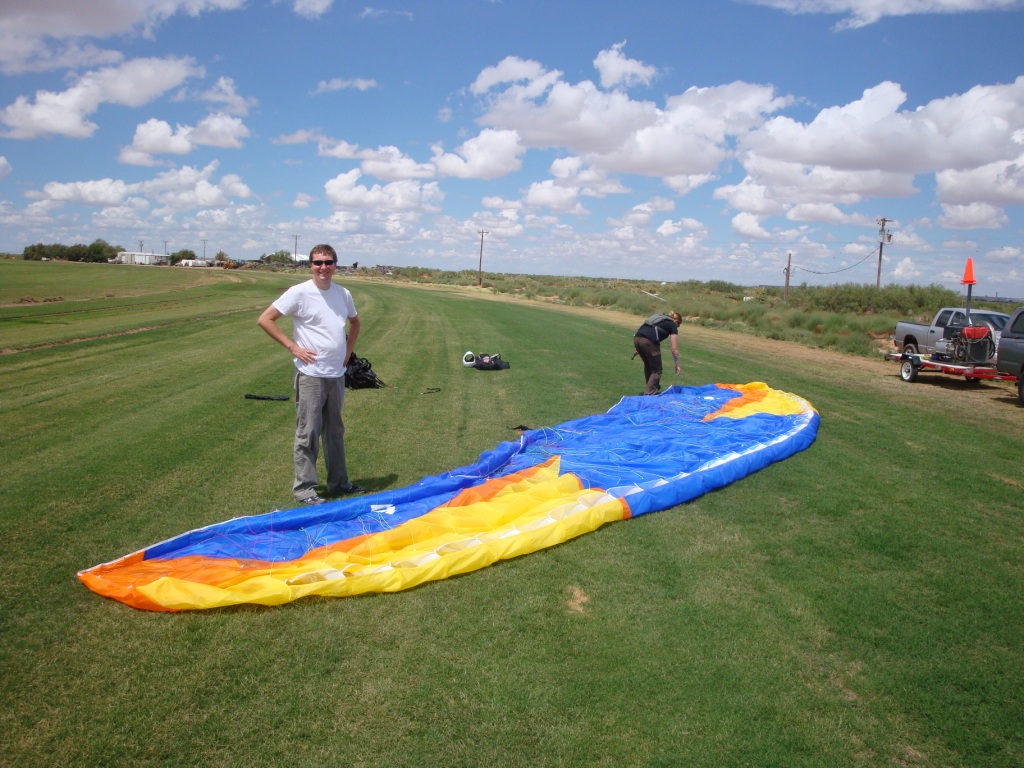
x: 788, y: 270
x: 204, y: 249
x: 883, y: 238
x: 480, y: 268
x: 295, y: 252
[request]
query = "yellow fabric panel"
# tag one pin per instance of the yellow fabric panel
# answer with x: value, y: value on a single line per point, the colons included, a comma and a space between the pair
x: 758, y: 397
x: 531, y: 514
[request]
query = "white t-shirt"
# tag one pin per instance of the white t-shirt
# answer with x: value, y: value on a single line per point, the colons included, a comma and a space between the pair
x: 319, y: 318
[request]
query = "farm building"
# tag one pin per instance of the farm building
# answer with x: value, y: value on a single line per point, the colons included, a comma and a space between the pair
x: 137, y: 257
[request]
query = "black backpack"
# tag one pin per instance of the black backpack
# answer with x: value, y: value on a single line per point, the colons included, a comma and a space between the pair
x: 359, y: 375
x: 490, y: 363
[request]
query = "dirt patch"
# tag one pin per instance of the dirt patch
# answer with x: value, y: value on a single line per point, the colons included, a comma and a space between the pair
x: 577, y: 599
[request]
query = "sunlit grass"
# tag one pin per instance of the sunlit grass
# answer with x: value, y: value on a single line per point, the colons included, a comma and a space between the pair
x: 856, y: 605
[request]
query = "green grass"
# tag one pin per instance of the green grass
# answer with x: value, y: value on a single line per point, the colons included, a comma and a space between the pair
x: 856, y: 605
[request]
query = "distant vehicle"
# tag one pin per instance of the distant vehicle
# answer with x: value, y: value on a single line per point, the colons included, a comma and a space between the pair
x: 914, y: 338
x: 1011, y: 351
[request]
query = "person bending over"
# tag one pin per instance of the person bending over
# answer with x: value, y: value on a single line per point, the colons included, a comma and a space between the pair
x: 647, y: 342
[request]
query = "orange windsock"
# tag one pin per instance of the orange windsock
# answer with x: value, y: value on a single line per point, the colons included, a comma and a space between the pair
x: 968, y: 278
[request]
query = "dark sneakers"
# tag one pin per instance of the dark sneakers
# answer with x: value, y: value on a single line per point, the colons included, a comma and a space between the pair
x: 347, y: 490
x: 351, y: 489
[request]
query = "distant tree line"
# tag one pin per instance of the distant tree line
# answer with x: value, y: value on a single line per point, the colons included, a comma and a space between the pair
x: 102, y: 251
x: 98, y: 250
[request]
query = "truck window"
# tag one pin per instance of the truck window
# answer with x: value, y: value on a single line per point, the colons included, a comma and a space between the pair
x: 943, y: 319
x: 959, y: 320
x: 995, y: 320
x: 1018, y: 324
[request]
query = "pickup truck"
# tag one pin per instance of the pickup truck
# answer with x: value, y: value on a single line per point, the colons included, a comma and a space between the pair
x: 913, y: 338
x: 1011, y: 351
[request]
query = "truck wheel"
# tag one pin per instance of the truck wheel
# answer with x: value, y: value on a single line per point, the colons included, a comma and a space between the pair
x: 910, y: 349
x: 1020, y: 389
x: 908, y: 371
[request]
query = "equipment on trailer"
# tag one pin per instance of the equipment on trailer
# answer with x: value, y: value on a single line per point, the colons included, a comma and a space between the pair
x: 911, y: 364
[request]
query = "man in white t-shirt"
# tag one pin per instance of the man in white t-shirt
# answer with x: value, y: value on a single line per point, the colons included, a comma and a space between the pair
x: 321, y: 349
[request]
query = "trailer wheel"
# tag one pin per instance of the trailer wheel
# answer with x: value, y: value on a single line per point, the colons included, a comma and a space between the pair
x: 1020, y: 389
x: 908, y: 371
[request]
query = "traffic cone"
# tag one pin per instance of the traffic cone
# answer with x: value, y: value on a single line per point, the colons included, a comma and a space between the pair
x: 969, y: 273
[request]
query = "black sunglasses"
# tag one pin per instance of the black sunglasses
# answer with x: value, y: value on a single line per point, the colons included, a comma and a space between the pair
x: 322, y: 263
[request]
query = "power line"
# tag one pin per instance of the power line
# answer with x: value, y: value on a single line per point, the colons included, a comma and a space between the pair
x: 836, y: 271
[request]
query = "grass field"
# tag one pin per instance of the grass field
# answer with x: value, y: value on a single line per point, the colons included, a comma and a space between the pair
x: 859, y: 604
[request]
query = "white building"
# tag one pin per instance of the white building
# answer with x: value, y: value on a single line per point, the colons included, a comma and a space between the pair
x: 136, y: 257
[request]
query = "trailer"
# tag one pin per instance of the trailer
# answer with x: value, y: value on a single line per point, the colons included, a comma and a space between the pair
x: 912, y: 364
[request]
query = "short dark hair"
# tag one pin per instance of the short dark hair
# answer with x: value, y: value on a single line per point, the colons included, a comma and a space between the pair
x: 322, y: 250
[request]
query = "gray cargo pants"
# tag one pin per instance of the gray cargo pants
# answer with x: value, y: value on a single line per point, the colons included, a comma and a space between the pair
x: 318, y: 405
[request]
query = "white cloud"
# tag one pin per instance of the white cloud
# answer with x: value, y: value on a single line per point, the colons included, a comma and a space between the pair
x: 301, y: 136
x: 391, y: 164
x: 512, y: 69
x: 1006, y: 254
x: 380, y: 13
x: 225, y: 94
x: 175, y: 190
x: 344, y: 193
x: 864, y: 12
x: 751, y: 198
x: 615, y: 69
x: 689, y: 137
x: 220, y: 130
x: 821, y: 212
x: 312, y: 9
x: 1000, y: 183
x: 129, y: 215
x: 905, y: 269
x: 98, y: 192
x: 872, y: 147
x: 973, y: 216
x: 492, y: 154
x: 5, y: 168
x: 38, y: 35
x: 156, y: 137
x: 337, y: 148
x: 549, y: 194
x: 959, y: 131
x: 326, y: 146
x: 131, y: 84
x: 340, y: 84
x: 747, y: 225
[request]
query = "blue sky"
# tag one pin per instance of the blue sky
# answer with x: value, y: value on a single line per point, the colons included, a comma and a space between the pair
x: 663, y: 140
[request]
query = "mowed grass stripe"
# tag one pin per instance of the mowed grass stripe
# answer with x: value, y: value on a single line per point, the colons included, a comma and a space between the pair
x: 859, y: 604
